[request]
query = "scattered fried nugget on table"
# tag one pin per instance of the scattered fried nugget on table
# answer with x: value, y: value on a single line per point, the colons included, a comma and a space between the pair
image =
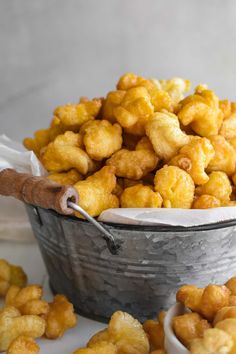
x: 60, y: 317
x: 23, y: 345
x: 13, y: 324
x: 10, y: 275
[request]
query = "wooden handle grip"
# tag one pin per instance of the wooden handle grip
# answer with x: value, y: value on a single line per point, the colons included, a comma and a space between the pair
x: 39, y: 191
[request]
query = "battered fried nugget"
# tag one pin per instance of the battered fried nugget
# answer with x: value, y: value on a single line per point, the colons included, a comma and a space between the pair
x: 13, y: 325
x: 100, y: 348
x: 135, y: 108
x: 125, y: 332
x: 229, y: 326
x: 207, y: 302
x: 112, y: 101
x: 66, y: 178
x: 140, y: 196
x: 225, y: 106
x: 160, y: 98
x: 155, y: 333
x: 225, y: 312
x: 101, y: 138
x: 188, y: 327
x: 23, y: 345
x: 72, y: 116
x: 144, y: 144
x: 159, y: 351
x: 27, y: 300
x: 165, y: 134
x: 96, y: 191
x: 10, y: 275
x: 231, y: 285
x: 214, y: 341
x: 194, y: 158
x: 225, y: 156
x: 133, y: 164
x: 218, y: 185
x: 232, y: 300
x: 206, y: 201
x: 228, y: 128
x: 202, y: 112
x: 60, y: 317
x: 175, y: 186
x: 65, y: 153
x: 176, y: 87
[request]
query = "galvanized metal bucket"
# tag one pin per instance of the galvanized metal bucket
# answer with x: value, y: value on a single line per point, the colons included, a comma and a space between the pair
x: 153, y: 262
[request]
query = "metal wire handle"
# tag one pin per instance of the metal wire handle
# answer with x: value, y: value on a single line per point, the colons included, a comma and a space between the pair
x: 108, y: 237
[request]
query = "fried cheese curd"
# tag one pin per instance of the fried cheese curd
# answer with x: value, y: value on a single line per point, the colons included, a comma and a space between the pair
x: 188, y: 327
x: 124, y: 335
x: 155, y: 332
x: 23, y: 345
x: 202, y: 112
x: 214, y: 341
x: 96, y: 191
x: 205, y: 301
x: 138, y: 128
x: 13, y: 325
x: 175, y: 186
x: 10, y: 275
x: 194, y: 158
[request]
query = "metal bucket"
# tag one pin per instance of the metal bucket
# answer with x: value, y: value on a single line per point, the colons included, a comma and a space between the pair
x: 142, y: 279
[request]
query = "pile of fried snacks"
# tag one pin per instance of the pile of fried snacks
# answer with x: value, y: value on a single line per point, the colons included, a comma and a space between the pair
x: 26, y: 315
x: 144, y: 145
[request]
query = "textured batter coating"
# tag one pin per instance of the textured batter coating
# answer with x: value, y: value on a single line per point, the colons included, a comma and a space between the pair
x: 229, y: 326
x: 225, y: 106
x: 135, y: 110
x: 125, y: 332
x: 12, y: 325
x: 72, y: 116
x: 160, y: 98
x: 228, y: 128
x: 214, y: 341
x: 60, y: 317
x: 176, y: 88
x: 10, y: 275
x: 207, y: 302
x: 133, y: 164
x: 99, y: 348
x: 144, y: 144
x: 27, y: 300
x: 23, y: 345
x: 66, y: 178
x: 155, y: 332
x: 194, y: 158
x: 95, y: 192
x: 175, y: 186
x: 201, y: 111
x: 112, y: 101
x: 188, y: 327
x: 65, y: 153
x: 101, y: 139
x: 225, y: 312
x: 225, y: 156
x: 231, y: 285
x: 165, y: 134
x: 206, y: 201
x: 140, y: 196
x: 218, y: 185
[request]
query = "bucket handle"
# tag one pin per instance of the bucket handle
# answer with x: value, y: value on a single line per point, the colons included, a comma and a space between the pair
x: 47, y: 194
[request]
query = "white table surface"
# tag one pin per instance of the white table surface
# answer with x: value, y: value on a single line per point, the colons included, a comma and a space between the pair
x: 28, y: 256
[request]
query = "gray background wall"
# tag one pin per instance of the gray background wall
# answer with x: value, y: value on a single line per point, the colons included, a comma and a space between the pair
x: 51, y: 52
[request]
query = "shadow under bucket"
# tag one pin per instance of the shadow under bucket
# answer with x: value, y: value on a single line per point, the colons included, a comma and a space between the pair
x: 152, y: 263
